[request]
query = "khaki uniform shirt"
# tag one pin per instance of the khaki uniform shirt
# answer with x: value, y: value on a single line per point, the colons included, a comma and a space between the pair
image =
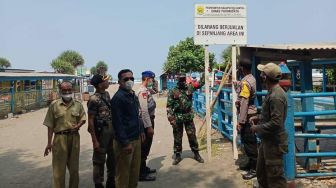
x: 273, y: 115
x: 147, y: 105
x: 61, y: 117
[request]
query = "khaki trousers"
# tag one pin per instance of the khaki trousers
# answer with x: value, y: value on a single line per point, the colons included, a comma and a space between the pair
x: 127, y: 165
x: 65, y: 154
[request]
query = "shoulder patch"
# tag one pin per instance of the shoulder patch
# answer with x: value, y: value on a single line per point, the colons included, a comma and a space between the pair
x: 245, y: 92
x: 144, y: 95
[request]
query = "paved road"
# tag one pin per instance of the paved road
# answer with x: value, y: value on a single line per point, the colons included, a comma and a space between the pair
x: 23, y: 139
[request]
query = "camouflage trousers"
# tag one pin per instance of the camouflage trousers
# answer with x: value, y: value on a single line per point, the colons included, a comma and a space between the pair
x: 104, y: 156
x: 270, y: 169
x: 178, y: 134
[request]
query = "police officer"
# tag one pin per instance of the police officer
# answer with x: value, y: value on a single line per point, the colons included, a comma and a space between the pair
x: 101, y: 130
x: 246, y: 90
x: 64, y: 118
x: 180, y: 114
x: 271, y: 130
x: 154, y: 87
x: 147, y: 107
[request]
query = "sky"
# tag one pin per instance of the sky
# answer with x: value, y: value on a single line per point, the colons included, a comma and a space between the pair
x: 138, y: 34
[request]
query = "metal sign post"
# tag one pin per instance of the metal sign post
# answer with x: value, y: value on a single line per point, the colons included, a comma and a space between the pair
x: 234, y: 99
x: 207, y: 102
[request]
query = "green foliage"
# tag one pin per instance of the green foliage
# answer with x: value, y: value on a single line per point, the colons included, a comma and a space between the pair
x: 73, y: 57
x: 225, y: 58
x: 4, y: 63
x: 101, y: 67
x: 331, y: 75
x: 63, y: 67
x: 93, y: 70
x: 187, y: 57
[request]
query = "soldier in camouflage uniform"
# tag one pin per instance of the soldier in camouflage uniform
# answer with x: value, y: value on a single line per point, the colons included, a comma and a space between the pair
x: 147, y: 108
x: 101, y: 130
x: 270, y: 129
x: 246, y: 90
x: 179, y: 112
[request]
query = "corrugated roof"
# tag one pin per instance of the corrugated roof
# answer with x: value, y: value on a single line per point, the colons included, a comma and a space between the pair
x: 33, y: 74
x: 321, y: 46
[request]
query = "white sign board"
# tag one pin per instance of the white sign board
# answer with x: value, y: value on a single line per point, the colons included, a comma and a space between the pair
x: 220, y: 24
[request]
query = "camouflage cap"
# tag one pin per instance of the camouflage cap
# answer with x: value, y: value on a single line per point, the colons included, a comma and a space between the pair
x: 271, y: 70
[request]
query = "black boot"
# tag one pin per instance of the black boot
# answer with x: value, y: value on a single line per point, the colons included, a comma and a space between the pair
x: 246, y: 167
x: 146, y: 177
x: 99, y: 185
x: 177, y: 159
x: 198, y: 157
x: 150, y: 170
x: 250, y: 174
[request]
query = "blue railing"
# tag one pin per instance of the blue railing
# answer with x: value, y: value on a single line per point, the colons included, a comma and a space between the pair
x: 222, y: 121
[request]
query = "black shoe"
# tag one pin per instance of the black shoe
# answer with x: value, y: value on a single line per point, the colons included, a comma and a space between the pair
x: 245, y: 167
x: 198, y: 157
x: 177, y: 159
x: 147, y: 177
x: 251, y: 174
x: 150, y: 171
x: 99, y: 185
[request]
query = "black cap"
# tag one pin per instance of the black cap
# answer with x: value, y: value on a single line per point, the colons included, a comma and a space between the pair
x: 97, y: 79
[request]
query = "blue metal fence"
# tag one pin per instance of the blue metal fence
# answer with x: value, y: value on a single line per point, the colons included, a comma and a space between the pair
x: 222, y: 121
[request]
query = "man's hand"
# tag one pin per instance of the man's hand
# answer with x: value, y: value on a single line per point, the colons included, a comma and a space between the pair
x: 47, y: 149
x: 254, y: 120
x: 254, y: 128
x: 76, y: 126
x: 142, y: 137
x: 128, y: 149
x: 172, y: 120
x: 150, y: 132
x: 96, y: 145
x: 238, y: 127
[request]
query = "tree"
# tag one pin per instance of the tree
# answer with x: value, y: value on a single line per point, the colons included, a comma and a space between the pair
x: 73, y: 57
x: 187, y: 57
x: 4, y: 63
x: 63, y: 67
x: 93, y: 70
x: 225, y: 57
x: 101, y: 67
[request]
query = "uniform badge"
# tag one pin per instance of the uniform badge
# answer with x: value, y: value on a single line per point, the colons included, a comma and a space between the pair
x: 144, y: 95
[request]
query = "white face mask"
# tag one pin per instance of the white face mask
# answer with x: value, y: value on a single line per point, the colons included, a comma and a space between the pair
x: 67, y: 97
x: 129, y: 85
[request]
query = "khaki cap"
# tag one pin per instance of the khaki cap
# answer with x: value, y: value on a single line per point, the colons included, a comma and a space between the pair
x: 271, y: 70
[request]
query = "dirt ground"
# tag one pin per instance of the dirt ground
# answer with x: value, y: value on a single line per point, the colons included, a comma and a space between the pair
x: 23, y: 139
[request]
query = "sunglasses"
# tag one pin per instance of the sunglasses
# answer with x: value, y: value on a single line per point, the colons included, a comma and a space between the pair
x: 128, y: 78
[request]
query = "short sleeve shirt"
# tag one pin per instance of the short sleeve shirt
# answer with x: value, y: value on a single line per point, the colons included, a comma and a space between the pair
x: 98, y: 107
x: 61, y: 117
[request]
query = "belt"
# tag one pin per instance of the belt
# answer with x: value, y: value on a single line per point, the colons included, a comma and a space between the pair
x: 67, y: 132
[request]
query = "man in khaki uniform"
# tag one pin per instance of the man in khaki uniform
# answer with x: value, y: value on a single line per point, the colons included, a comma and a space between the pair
x: 147, y: 108
x: 64, y: 118
x: 270, y: 129
x: 101, y: 130
x: 246, y: 90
